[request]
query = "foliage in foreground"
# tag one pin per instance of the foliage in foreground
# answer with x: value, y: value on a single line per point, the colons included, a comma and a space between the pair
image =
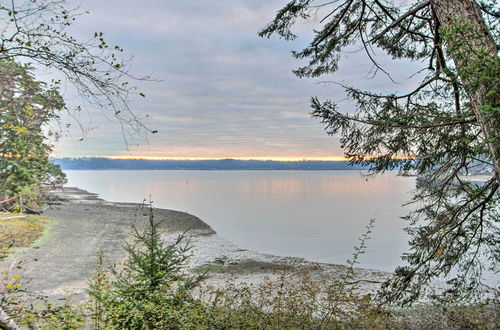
x: 27, y: 106
x: 153, y: 291
x: 442, y: 129
x: 40, y: 32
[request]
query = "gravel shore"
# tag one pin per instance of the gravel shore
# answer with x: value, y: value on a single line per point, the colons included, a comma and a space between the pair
x: 85, y: 225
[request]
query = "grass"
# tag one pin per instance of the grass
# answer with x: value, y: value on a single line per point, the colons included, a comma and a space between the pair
x: 208, y: 268
x: 147, y: 297
x: 21, y: 231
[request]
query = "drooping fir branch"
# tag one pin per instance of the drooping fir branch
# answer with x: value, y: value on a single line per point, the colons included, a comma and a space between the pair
x: 442, y: 129
x: 410, y: 13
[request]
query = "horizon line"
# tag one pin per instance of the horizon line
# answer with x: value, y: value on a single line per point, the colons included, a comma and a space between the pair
x: 259, y: 158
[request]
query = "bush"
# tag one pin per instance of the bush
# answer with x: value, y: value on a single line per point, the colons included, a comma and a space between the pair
x: 451, y: 315
x: 151, y: 290
x: 291, y: 301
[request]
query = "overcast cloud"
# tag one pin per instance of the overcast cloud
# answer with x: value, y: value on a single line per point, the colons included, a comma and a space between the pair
x: 224, y: 92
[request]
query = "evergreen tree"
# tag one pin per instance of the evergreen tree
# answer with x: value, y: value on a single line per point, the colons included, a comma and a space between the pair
x: 27, y: 106
x: 445, y: 128
x: 152, y: 289
x: 37, y: 32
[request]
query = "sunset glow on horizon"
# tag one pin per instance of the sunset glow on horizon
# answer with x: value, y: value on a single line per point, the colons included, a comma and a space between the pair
x: 225, y: 93
x: 282, y: 159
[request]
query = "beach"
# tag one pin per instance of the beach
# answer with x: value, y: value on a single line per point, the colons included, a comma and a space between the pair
x: 84, y: 226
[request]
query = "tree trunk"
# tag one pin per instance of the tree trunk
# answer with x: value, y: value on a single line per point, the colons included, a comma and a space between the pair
x: 480, y: 47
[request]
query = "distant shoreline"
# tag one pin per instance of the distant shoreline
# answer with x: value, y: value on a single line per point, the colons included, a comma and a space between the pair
x: 205, y: 169
x: 99, y: 163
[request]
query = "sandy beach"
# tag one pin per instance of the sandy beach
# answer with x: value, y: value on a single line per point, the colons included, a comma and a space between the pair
x: 85, y: 225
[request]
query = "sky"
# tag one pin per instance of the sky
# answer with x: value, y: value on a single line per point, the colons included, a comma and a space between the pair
x: 220, y: 91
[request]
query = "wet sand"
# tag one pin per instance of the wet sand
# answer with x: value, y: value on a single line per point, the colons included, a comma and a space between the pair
x: 85, y: 225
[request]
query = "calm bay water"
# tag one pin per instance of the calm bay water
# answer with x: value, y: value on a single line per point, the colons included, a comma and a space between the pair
x: 317, y: 215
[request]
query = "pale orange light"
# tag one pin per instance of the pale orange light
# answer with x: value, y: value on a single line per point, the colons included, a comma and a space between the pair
x: 393, y: 157
x: 6, y: 155
x: 288, y: 159
x: 283, y: 159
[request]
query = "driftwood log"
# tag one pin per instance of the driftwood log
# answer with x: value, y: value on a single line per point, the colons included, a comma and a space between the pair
x: 6, y: 204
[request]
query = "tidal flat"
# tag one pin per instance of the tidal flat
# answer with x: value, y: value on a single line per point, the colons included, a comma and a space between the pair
x: 87, y: 226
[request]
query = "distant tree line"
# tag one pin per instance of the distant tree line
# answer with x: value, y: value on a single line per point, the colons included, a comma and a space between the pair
x: 101, y: 163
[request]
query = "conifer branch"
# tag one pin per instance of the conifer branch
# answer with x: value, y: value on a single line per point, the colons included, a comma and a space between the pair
x: 401, y: 18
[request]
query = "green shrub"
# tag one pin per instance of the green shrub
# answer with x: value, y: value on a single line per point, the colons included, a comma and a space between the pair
x: 451, y: 315
x: 291, y: 301
x: 151, y: 290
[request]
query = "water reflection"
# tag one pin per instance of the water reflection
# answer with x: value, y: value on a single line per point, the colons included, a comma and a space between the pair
x: 317, y: 215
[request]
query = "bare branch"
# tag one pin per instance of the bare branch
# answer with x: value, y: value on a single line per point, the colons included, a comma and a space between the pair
x: 401, y: 18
